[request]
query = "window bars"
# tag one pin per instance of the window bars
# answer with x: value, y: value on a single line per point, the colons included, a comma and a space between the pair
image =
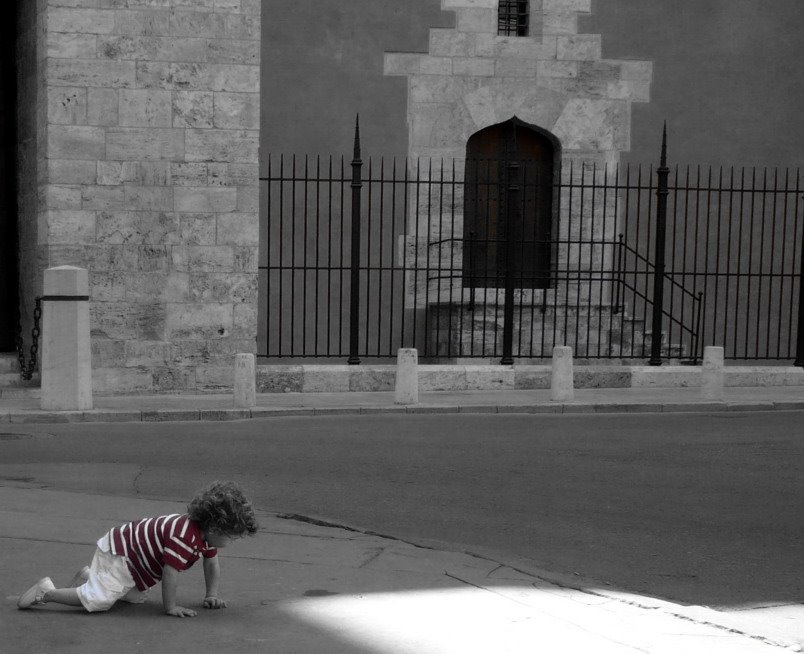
x: 513, y: 18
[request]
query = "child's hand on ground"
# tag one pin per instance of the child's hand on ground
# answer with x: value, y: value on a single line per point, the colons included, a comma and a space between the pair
x: 213, y: 602
x: 181, y: 612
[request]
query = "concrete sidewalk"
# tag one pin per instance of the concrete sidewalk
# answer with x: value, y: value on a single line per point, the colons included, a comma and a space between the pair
x: 307, y: 588
x: 165, y: 407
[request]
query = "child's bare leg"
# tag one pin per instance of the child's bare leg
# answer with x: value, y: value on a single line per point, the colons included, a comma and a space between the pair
x: 80, y: 578
x: 67, y: 596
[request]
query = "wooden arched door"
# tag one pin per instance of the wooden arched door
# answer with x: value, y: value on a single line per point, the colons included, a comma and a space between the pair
x: 508, y: 193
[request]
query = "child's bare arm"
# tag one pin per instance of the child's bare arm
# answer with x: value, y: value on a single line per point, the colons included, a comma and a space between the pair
x: 170, y: 582
x: 212, y: 575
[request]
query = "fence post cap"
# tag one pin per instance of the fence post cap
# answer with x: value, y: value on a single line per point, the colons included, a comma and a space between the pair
x: 66, y: 280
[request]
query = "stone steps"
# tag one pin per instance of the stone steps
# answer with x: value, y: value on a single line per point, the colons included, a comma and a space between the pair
x: 11, y: 386
x: 8, y: 363
x: 635, y: 331
x: 18, y: 392
x: 615, y: 335
x: 9, y: 379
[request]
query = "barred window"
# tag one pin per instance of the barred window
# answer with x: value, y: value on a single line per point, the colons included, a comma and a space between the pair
x: 513, y: 18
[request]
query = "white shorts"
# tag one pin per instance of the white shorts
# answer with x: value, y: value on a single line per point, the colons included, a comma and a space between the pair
x: 109, y: 581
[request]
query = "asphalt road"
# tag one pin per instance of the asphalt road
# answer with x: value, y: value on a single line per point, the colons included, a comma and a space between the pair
x: 700, y: 509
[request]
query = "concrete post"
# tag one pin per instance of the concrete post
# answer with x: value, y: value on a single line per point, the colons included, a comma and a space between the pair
x: 66, y: 353
x: 407, y: 376
x: 245, y: 381
x: 562, y: 385
x: 712, y: 373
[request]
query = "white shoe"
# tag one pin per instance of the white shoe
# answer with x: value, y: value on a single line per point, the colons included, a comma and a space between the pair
x: 35, y: 594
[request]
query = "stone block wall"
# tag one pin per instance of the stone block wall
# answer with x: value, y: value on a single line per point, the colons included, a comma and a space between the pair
x: 148, y: 177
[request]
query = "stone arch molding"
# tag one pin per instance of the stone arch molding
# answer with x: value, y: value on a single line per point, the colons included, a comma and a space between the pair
x: 555, y: 142
x: 539, y: 108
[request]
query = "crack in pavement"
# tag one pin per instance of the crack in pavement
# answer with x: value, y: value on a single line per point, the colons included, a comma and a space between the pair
x: 379, y: 551
x: 135, y: 482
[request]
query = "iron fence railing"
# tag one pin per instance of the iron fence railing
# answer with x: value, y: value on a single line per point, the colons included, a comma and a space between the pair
x: 395, y: 253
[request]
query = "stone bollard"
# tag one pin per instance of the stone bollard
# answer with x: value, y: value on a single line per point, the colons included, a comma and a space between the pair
x: 407, y: 376
x: 712, y: 373
x: 562, y: 386
x: 66, y: 352
x: 245, y: 381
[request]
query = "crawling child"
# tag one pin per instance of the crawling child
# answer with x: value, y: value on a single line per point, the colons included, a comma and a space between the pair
x: 132, y: 558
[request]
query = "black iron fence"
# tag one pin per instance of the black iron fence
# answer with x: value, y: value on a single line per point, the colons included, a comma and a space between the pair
x: 465, y: 259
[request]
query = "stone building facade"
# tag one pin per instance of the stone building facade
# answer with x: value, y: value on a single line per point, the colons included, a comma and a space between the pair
x: 554, y: 80
x: 142, y: 125
x: 139, y: 139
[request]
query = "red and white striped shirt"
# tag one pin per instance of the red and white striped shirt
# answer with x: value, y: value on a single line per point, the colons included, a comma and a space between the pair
x: 148, y: 545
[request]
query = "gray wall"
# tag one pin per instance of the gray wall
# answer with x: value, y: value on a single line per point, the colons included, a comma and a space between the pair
x: 322, y: 63
x: 727, y: 74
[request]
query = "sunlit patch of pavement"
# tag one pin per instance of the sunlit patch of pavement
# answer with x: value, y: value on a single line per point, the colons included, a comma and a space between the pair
x: 512, y: 618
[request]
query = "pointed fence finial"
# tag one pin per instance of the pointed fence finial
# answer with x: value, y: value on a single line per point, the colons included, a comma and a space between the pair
x: 664, y: 146
x: 357, y: 137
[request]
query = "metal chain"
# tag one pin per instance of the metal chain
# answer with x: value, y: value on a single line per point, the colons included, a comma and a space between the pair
x: 27, y: 369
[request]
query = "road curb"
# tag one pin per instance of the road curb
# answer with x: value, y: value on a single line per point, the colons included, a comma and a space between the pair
x: 34, y: 416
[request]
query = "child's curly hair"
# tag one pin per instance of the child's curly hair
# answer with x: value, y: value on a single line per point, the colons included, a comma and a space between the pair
x: 223, y: 508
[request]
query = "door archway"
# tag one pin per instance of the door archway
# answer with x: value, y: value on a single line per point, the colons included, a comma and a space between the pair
x: 509, y: 193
